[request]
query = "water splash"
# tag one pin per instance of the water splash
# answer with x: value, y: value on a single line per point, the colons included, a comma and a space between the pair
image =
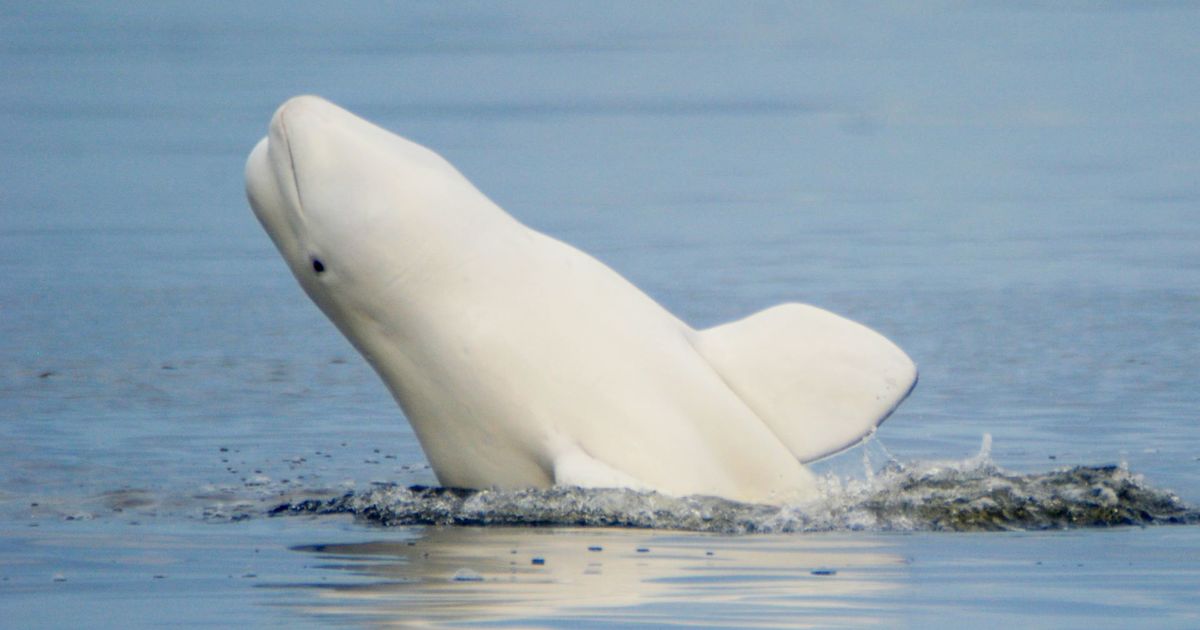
x: 970, y: 495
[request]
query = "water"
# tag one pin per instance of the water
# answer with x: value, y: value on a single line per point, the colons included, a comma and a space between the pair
x: 1007, y: 191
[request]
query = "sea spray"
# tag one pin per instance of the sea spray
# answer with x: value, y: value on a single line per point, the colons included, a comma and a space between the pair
x: 973, y: 494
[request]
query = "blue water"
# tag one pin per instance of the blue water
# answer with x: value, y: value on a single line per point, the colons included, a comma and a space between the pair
x: 1009, y: 191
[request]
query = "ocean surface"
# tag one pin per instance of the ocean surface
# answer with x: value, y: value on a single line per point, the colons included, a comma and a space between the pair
x: 1009, y: 191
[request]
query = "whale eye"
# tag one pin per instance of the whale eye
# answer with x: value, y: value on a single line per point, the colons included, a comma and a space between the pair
x: 318, y: 266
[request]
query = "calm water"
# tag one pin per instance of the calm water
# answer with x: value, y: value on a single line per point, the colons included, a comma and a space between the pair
x: 1010, y: 192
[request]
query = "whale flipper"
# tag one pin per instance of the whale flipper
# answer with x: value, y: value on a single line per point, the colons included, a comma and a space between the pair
x: 575, y: 467
x: 820, y: 382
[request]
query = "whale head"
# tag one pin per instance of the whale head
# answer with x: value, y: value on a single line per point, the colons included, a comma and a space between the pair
x: 356, y: 211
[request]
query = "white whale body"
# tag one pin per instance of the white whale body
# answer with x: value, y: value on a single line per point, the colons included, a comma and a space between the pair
x: 520, y: 361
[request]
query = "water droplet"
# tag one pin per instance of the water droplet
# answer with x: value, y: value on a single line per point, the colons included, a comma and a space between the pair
x: 467, y: 575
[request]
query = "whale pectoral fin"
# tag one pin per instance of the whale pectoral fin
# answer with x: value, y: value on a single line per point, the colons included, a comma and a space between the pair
x: 821, y: 382
x: 574, y: 467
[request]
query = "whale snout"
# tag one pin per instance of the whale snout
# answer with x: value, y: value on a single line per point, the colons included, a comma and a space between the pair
x: 301, y: 136
x: 320, y: 155
x: 305, y: 106
x: 300, y: 116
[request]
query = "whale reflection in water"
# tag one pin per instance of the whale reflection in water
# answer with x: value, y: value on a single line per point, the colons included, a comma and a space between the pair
x: 566, y: 577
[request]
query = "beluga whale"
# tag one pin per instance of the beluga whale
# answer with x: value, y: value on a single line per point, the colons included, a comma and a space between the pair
x: 521, y: 361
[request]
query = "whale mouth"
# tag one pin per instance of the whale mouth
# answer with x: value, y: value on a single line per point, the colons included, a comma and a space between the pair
x: 280, y: 135
x: 273, y: 180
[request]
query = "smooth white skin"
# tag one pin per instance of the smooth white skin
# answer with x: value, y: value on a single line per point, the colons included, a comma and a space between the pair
x: 519, y: 360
